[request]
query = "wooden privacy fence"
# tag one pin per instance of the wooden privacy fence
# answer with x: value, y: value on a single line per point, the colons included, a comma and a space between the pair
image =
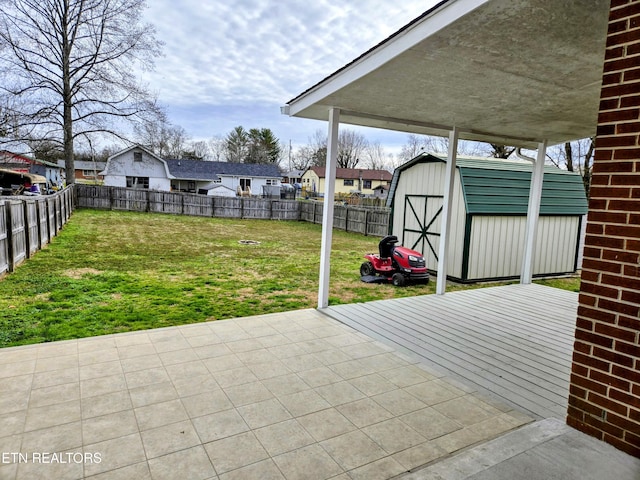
x: 366, y: 221
x: 29, y: 223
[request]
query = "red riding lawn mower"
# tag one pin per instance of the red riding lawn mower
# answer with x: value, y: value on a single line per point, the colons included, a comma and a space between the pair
x: 396, y: 264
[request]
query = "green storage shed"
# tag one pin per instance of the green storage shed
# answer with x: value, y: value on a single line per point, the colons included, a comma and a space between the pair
x: 488, y: 216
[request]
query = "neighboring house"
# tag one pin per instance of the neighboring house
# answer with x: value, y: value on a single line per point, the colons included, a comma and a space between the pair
x: 29, y: 164
x: 138, y: 167
x: 488, y: 216
x: 348, y: 180
x: 293, y: 176
x: 381, y: 191
x: 16, y: 161
x: 86, y: 171
x: 245, y: 178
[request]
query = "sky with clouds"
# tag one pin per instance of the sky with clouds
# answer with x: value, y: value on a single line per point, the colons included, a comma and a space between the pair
x: 236, y: 63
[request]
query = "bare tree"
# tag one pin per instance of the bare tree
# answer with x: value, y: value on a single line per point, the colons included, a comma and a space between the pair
x: 8, y: 121
x: 576, y: 156
x: 199, y: 149
x: 351, y: 146
x: 318, y: 148
x: 162, y: 138
x: 217, y: 148
x: 501, y: 151
x: 68, y: 66
x: 47, y: 151
x: 375, y: 157
x: 303, y: 157
x: 417, y: 144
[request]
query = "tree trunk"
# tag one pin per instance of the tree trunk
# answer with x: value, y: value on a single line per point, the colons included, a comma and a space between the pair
x: 568, y: 152
x: 586, y: 176
x: 67, y: 98
x: 69, y: 161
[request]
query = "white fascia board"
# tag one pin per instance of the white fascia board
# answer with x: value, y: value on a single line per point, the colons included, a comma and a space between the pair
x: 436, y: 21
x: 166, y: 168
x: 442, y: 130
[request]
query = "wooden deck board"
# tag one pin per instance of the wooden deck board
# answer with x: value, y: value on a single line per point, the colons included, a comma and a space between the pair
x: 476, y: 362
x: 513, y: 342
x: 494, y: 353
x: 505, y: 391
x: 508, y: 338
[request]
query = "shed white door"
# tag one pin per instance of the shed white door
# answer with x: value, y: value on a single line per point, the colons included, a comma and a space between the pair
x: 421, y: 226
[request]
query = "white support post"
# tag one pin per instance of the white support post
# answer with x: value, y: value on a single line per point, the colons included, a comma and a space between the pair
x: 327, y: 210
x: 533, y: 212
x: 443, y: 250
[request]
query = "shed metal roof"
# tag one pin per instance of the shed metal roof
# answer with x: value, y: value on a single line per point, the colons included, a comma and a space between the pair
x: 500, y: 187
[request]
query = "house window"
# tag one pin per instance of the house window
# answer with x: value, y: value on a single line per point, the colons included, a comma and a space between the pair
x: 88, y: 173
x: 348, y: 183
x: 272, y: 181
x: 245, y: 184
x: 138, y: 182
x: 137, y: 156
x: 366, y: 184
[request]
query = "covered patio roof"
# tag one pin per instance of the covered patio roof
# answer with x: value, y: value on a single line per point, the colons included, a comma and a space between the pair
x: 525, y: 73
x: 514, y: 72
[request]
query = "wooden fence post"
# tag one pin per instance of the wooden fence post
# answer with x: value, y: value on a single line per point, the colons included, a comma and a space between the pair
x: 4, y: 240
x: 7, y: 206
x: 346, y: 218
x: 366, y: 223
x: 27, y: 233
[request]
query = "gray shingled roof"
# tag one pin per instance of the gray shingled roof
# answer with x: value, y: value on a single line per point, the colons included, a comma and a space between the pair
x: 201, y: 170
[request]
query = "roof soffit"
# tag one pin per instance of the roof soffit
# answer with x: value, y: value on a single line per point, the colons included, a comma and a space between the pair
x: 512, y: 71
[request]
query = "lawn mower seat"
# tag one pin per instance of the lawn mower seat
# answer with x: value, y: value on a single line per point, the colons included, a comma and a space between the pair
x: 387, y: 245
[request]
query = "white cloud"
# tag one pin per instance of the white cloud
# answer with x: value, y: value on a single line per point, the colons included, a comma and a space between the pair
x: 234, y: 63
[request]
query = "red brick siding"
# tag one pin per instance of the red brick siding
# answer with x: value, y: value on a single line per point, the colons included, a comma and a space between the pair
x: 604, y: 398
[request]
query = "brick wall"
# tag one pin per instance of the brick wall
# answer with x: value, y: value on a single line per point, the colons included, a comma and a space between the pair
x: 604, y: 398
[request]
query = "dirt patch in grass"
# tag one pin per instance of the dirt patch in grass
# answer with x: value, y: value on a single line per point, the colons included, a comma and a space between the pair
x: 78, y: 273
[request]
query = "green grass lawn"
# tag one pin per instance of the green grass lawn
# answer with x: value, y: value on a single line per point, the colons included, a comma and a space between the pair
x: 109, y: 272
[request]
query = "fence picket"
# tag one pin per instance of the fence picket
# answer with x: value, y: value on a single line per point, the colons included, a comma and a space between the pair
x: 4, y: 239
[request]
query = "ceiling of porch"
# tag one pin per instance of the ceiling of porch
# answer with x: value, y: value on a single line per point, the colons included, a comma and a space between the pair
x: 505, y: 71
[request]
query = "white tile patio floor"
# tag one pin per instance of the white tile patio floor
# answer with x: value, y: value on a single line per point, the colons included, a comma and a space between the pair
x: 289, y: 396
